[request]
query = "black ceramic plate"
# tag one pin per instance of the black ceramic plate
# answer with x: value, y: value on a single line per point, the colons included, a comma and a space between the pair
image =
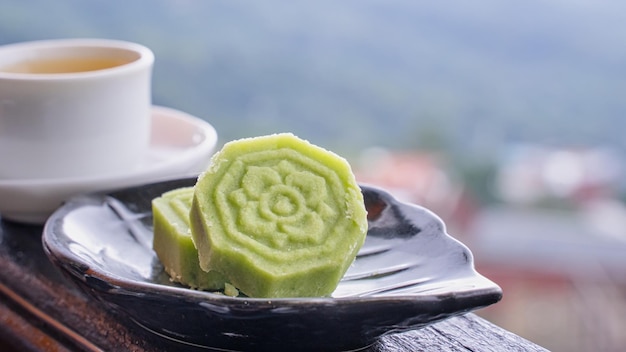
x: 409, y: 274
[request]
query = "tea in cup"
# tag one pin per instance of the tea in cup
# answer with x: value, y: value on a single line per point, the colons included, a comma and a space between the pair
x: 73, y: 108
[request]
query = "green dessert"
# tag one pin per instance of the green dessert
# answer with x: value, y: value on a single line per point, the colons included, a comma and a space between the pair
x: 173, y: 243
x: 278, y: 217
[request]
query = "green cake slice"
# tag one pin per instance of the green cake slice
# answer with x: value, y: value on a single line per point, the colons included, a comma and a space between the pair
x: 278, y: 217
x: 173, y: 243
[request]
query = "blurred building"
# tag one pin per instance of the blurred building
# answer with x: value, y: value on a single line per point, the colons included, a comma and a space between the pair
x: 555, y: 243
x: 557, y: 246
x: 529, y: 174
x: 421, y: 178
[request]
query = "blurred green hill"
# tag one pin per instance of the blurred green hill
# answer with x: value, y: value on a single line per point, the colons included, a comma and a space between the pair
x: 469, y: 78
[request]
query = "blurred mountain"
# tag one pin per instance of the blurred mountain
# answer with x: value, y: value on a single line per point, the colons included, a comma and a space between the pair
x: 466, y: 77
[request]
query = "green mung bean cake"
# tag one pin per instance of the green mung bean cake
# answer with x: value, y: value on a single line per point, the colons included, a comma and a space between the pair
x: 173, y: 244
x: 275, y: 216
x: 278, y: 217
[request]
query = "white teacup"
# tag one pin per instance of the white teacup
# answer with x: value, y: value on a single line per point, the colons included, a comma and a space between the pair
x: 73, y: 108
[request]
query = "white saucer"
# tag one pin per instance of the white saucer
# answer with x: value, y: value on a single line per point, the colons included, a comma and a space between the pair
x: 181, y: 145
